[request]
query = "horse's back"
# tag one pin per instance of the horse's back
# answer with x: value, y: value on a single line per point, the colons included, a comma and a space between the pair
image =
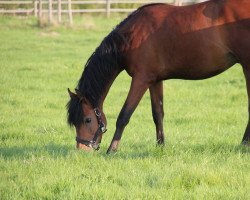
x: 190, y: 42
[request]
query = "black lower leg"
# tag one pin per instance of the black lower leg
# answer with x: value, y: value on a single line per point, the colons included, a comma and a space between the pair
x: 156, y: 93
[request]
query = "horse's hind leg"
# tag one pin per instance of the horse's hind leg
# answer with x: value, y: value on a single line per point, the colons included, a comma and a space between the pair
x: 246, y: 137
x: 137, y: 89
x: 156, y: 93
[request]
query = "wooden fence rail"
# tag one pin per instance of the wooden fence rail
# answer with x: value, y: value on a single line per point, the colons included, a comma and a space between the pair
x: 50, y: 7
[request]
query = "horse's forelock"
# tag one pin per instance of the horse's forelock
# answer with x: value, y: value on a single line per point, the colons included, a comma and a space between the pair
x: 75, y: 112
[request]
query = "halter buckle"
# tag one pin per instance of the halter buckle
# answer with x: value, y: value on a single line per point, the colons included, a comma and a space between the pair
x: 97, y: 112
x: 103, y: 127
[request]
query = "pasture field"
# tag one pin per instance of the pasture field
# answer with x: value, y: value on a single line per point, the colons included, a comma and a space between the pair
x: 204, y: 124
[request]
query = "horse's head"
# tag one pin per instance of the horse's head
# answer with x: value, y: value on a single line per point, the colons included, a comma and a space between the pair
x: 89, y: 122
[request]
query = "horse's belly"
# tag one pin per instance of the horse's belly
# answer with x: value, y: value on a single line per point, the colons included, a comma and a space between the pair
x: 198, y: 74
x: 205, y: 68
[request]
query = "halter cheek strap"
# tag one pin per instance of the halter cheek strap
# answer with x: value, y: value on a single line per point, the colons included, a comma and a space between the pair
x: 101, y: 129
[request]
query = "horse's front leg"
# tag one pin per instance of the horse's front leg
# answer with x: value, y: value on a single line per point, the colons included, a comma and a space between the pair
x: 137, y: 89
x: 156, y: 94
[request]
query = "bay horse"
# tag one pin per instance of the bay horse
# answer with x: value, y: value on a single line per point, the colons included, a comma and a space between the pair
x: 155, y: 43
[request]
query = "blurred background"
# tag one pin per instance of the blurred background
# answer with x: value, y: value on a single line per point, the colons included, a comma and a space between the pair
x: 54, y: 10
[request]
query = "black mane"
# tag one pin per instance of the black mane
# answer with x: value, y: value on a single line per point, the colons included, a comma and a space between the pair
x: 99, y: 69
x: 98, y: 72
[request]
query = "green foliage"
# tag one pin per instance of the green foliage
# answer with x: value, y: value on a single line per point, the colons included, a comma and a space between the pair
x: 204, y: 124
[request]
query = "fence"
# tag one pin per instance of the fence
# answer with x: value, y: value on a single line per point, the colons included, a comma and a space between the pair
x: 50, y: 7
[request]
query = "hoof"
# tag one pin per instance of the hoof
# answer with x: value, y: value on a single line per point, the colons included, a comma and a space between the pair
x: 246, y: 143
x: 111, y: 151
x: 113, y: 147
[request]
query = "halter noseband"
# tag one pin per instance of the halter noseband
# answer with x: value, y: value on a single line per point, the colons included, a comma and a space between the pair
x: 101, y: 129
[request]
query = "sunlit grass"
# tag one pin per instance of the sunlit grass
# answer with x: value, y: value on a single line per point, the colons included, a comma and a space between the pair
x: 204, y: 124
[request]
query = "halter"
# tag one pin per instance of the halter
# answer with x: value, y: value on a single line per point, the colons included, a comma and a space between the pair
x: 101, y: 129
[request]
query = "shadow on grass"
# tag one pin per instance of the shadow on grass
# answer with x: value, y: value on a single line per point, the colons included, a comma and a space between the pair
x: 51, y: 149
x: 217, y: 148
x: 137, y: 151
x: 144, y: 151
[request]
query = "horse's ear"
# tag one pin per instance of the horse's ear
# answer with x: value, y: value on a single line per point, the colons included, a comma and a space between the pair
x: 80, y: 96
x: 71, y: 94
x: 78, y: 93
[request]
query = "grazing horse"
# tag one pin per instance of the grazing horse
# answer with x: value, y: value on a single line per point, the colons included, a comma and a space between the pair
x: 155, y: 43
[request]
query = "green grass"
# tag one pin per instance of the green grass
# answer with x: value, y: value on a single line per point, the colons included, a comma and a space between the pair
x: 204, y: 124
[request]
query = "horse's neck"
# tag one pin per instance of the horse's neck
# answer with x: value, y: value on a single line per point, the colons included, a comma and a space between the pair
x: 106, y: 89
x: 102, y: 69
x: 99, y: 86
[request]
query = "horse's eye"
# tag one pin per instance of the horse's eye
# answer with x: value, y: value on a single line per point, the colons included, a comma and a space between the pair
x: 87, y: 120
